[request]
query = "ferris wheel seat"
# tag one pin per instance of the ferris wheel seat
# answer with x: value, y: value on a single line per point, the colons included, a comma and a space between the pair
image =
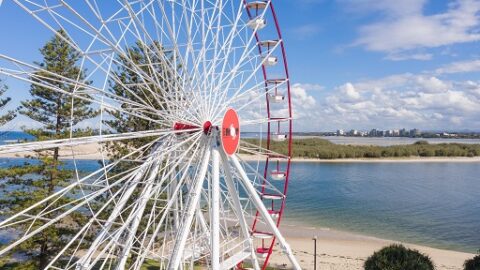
x: 278, y: 175
x: 276, y: 98
x: 276, y: 81
x: 262, y: 252
x: 257, y: 5
x: 262, y: 235
x: 274, y: 213
x: 257, y: 23
x: 270, y: 60
x: 271, y: 196
x: 278, y: 137
x: 269, y: 43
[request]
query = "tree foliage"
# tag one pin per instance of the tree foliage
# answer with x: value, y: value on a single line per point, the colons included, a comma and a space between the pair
x: 324, y: 149
x: 8, y: 115
x: 143, y: 78
x: 398, y: 257
x: 472, y: 264
x: 43, y: 172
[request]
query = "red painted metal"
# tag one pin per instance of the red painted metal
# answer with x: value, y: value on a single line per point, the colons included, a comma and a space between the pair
x: 277, y: 128
x: 207, y: 126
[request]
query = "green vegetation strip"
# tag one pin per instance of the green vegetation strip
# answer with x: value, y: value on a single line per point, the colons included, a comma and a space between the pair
x: 318, y: 148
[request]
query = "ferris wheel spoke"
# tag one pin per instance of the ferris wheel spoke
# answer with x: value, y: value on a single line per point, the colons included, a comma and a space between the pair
x: 259, y: 150
x: 225, y: 82
x: 120, y: 207
x: 49, y: 202
x: 25, y: 77
x: 192, y: 203
x: 166, y: 211
x: 140, y: 30
x: 61, y: 143
x: 96, y: 35
x: 246, y: 93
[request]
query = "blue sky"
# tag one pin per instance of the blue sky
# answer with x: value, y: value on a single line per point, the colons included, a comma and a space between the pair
x: 356, y: 63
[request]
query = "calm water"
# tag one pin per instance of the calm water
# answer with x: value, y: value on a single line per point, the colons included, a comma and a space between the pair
x: 435, y: 204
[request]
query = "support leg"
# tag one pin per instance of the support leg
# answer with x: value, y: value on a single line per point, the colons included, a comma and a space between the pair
x: 238, y: 209
x: 215, y: 222
x: 263, y: 211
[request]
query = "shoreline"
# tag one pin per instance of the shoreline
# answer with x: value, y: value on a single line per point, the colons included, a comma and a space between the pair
x: 93, y: 152
x: 246, y: 157
x: 340, y: 250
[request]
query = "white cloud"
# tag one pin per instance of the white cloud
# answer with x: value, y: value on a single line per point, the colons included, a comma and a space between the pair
x: 309, y: 86
x: 415, y: 56
x: 405, y: 27
x: 459, y: 67
x: 403, y: 100
x: 305, y: 31
x: 348, y: 93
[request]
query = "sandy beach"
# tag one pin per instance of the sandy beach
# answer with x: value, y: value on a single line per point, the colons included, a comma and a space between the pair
x: 338, y: 250
x: 87, y: 151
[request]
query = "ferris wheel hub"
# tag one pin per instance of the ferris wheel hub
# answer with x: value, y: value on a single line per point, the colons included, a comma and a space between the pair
x: 230, y: 132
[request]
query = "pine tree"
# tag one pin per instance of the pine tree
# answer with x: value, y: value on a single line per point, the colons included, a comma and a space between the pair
x: 150, y: 59
x: 9, y: 115
x: 44, y: 172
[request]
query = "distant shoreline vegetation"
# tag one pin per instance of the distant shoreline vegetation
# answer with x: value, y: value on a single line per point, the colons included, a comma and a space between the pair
x: 317, y: 148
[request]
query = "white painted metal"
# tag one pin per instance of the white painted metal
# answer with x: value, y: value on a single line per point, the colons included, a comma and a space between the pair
x: 215, y: 222
x: 184, y: 230
x: 264, y: 212
x: 159, y: 208
x: 238, y: 210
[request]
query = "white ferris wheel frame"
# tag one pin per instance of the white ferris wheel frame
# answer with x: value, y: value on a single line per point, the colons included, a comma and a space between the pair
x: 196, y: 148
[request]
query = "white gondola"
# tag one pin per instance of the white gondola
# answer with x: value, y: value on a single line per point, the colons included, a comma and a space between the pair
x: 274, y: 213
x: 276, y: 98
x: 279, y: 137
x: 262, y: 235
x: 257, y: 23
x: 257, y: 5
x: 272, y: 196
x: 270, y: 60
x: 278, y: 175
x: 269, y: 43
x: 262, y: 252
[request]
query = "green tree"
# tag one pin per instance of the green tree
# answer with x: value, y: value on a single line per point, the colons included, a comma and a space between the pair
x: 44, y: 172
x: 142, y: 77
x: 9, y: 115
x: 148, y: 89
x: 398, y: 257
x: 472, y: 264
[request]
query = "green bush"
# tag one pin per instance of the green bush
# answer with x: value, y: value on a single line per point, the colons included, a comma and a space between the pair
x: 398, y: 257
x: 472, y: 264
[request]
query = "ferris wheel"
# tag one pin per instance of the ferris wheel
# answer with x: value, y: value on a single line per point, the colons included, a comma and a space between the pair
x: 191, y: 196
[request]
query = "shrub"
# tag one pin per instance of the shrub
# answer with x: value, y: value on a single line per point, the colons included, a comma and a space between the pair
x: 398, y: 257
x: 472, y: 264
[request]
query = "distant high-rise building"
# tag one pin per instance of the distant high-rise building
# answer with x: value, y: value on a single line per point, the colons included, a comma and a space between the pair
x: 403, y: 132
x: 340, y: 132
x: 415, y: 132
